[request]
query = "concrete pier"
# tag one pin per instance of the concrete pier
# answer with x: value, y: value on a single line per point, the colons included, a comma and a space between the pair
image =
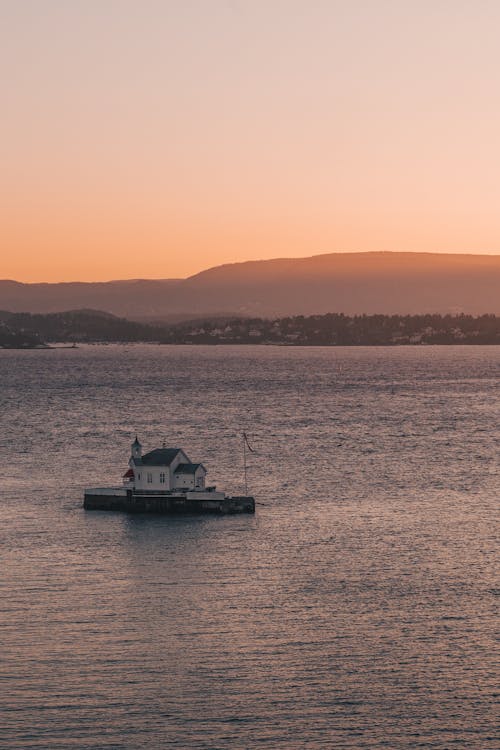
x: 166, y: 503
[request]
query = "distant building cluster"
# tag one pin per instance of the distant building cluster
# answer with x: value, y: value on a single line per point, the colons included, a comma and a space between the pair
x: 341, y: 330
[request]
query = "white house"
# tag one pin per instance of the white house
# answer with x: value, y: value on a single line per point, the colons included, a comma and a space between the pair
x: 163, y: 469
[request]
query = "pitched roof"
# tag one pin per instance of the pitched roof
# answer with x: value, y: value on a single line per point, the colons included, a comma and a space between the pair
x: 159, y: 457
x: 188, y: 468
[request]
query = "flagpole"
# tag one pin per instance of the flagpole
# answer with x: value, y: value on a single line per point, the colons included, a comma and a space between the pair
x: 245, y: 462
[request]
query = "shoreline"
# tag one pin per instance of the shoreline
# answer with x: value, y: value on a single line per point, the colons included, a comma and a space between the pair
x: 289, y: 345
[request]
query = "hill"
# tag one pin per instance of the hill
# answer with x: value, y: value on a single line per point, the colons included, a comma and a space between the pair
x: 352, y: 283
x: 26, y: 330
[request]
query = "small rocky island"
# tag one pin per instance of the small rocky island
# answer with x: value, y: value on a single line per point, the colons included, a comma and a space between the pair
x: 165, y: 481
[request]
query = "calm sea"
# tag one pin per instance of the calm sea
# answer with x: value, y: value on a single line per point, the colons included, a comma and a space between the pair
x: 356, y: 609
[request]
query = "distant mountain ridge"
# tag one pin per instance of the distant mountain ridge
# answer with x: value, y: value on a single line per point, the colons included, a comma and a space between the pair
x: 351, y: 283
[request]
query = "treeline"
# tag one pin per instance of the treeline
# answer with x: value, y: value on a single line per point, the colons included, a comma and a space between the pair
x: 76, y: 326
x: 336, y: 329
x: 11, y: 339
x: 24, y: 330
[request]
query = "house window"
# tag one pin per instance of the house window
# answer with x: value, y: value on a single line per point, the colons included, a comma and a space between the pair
x: 150, y: 478
x: 138, y: 476
x: 162, y: 477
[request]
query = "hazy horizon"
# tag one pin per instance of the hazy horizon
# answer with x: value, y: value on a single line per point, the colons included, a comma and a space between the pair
x: 245, y: 261
x: 376, y: 282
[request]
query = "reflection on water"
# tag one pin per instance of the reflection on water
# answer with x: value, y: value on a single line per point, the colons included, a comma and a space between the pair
x: 355, y: 610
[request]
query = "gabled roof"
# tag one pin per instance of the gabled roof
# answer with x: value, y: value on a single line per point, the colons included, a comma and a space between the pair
x: 158, y: 457
x: 188, y: 468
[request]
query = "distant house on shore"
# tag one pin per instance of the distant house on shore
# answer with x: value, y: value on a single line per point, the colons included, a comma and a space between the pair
x: 163, y: 469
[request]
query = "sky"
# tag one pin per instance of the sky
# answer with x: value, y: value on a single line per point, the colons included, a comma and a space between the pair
x: 156, y: 138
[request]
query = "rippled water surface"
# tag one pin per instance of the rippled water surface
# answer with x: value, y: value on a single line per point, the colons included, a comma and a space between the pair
x: 356, y: 609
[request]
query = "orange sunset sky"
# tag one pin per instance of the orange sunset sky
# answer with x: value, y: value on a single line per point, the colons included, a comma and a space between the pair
x: 156, y: 138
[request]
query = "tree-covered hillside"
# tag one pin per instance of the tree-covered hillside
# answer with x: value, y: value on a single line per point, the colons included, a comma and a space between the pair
x: 21, y: 330
x: 336, y: 329
x: 74, y: 326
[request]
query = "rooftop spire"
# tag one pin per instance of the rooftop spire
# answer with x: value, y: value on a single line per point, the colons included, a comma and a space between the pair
x: 136, y: 449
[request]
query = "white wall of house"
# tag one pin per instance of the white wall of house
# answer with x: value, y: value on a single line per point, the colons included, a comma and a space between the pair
x: 180, y: 458
x: 184, y: 481
x: 157, y: 477
x: 152, y: 478
x: 191, y: 481
x: 200, y: 477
